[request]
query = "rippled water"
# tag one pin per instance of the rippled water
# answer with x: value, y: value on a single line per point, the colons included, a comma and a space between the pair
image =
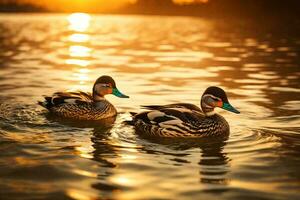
x: 155, y: 60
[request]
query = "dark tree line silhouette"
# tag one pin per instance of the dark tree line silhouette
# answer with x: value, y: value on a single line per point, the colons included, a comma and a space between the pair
x: 17, y: 6
x: 219, y: 8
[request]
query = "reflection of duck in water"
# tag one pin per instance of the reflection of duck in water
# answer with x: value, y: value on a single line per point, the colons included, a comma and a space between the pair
x: 186, y: 120
x: 213, y: 163
x: 104, y: 152
x: 102, y: 146
x: 85, y: 106
x: 104, y: 124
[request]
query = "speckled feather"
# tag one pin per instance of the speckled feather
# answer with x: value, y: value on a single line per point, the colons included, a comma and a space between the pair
x: 79, y: 106
x: 179, y: 120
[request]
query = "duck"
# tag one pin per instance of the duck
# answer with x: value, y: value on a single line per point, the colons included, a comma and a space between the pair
x: 84, y: 105
x: 185, y: 119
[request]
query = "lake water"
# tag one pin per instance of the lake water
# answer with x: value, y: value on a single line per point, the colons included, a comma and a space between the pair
x: 154, y: 60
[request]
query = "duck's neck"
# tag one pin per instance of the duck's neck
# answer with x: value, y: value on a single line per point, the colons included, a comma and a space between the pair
x: 97, y: 97
x: 206, y: 108
x: 210, y: 113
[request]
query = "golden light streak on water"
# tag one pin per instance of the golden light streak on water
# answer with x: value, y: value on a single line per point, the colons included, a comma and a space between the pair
x: 79, y: 37
x: 128, y: 157
x: 79, y: 195
x: 79, y: 54
x: 82, y: 63
x: 79, y: 51
x: 81, y: 77
x: 85, y: 151
x: 123, y: 180
x: 25, y: 161
x: 85, y: 173
x: 79, y: 22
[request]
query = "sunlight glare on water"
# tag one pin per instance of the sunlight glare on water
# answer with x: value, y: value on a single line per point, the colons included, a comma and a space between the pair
x: 79, y: 53
x: 79, y: 22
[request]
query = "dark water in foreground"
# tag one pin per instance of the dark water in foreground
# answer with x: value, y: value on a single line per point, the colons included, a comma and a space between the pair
x: 154, y: 60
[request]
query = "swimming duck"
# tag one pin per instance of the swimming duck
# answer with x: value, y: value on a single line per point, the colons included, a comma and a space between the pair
x: 82, y: 105
x: 184, y: 119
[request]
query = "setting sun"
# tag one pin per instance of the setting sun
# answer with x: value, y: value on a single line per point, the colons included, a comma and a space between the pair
x: 94, y: 5
x: 79, y: 5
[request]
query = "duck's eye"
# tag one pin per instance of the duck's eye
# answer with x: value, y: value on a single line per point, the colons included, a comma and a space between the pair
x: 215, y: 99
x: 106, y: 85
x: 210, y: 100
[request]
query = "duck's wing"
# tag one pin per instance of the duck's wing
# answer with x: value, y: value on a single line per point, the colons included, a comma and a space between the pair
x: 169, y: 122
x: 173, y: 106
x: 170, y: 115
x: 59, y: 98
x: 84, y: 96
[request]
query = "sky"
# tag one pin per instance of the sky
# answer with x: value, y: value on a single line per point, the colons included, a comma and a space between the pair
x: 86, y: 5
x: 67, y: 5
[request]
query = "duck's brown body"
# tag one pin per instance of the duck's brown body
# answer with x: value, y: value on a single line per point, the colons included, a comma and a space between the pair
x: 83, y: 105
x: 78, y: 106
x: 179, y: 120
x: 186, y: 120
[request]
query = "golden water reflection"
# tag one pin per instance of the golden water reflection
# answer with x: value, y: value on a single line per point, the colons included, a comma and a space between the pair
x: 78, y: 62
x: 79, y: 37
x: 79, y: 22
x: 80, y: 52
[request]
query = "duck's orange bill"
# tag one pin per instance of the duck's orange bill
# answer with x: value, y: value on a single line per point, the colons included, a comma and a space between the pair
x: 220, y: 104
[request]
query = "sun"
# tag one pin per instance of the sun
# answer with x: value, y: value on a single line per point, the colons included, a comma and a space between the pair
x: 79, y: 5
x: 90, y: 5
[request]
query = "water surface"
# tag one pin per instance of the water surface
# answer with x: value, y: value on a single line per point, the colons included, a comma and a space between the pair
x: 154, y: 60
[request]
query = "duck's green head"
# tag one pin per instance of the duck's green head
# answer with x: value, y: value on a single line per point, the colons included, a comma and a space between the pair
x: 106, y: 85
x: 216, y: 97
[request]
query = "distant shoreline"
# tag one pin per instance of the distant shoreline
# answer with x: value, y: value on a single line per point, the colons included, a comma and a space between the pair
x: 292, y: 17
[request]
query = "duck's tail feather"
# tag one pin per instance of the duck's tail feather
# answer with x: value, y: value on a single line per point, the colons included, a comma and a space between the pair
x: 132, y: 114
x: 41, y: 103
x: 130, y: 122
x: 47, y: 103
